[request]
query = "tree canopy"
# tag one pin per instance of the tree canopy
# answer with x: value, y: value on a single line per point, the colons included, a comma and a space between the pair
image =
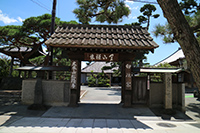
x: 191, y: 10
x: 147, y: 11
x: 33, y: 33
x: 111, y: 11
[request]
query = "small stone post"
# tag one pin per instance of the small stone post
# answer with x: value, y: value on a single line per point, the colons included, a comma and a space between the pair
x: 183, y: 109
x: 168, y: 91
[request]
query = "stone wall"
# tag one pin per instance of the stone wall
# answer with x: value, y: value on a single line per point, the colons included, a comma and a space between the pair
x: 54, y: 93
x: 157, y: 95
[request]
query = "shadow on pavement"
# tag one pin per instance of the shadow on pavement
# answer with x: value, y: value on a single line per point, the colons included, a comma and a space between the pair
x: 37, y: 122
x: 20, y: 110
x: 100, y: 111
x: 177, y: 115
x: 195, y: 109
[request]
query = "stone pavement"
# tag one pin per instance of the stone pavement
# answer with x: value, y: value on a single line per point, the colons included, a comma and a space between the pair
x: 102, y: 95
x: 73, y: 125
x: 192, y: 107
x: 92, y: 118
x: 99, y: 111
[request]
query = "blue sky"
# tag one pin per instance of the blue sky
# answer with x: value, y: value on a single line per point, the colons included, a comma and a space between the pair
x: 13, y: 12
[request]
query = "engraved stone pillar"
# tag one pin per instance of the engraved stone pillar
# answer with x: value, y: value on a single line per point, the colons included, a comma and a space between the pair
x: 168, y: 91
x: 74, y: 83
x: 183, y: 109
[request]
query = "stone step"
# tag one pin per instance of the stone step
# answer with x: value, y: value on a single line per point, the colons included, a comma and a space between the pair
x: 10, y: 93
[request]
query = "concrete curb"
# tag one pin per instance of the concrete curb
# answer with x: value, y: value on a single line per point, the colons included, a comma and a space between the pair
x: 83, y: 94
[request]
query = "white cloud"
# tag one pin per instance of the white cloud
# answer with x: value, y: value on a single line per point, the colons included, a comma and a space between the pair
x: 128, y: 1
x: 7, y: 20
x: 20, y: 19
x: 135, y: 7
x: 132, y: 17
x: 130, y: 6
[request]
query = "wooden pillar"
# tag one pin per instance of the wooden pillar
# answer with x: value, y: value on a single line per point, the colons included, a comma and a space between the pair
x: 25, y: 73
x: 127, y: 84
x: 122, y: 83
x: 168, y: 91
x: 79, y: 82
x: 29, y: 74
x: 75, y: 83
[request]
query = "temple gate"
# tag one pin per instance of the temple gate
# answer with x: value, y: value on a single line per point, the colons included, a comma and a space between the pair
x: 109, y: 43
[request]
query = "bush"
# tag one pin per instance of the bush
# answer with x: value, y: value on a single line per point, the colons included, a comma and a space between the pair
x: 4, y: 67
x: 100, y: 80
x: 5, y: 63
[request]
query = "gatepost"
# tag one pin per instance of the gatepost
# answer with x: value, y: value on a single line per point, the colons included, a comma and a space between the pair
x: 127, y: 84
x: 75, y: 83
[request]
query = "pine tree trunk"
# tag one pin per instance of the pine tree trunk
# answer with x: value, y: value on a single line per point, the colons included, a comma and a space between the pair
x: 184, y: 35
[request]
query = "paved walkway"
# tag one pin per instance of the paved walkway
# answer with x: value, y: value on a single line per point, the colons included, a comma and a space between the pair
x: 92, y: 118
x: 106, y: 95
x: 99, y: 111
x: 70, y: 125
x: 192, y: 107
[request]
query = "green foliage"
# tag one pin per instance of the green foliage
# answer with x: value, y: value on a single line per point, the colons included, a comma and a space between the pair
x: 165, y: 65
x: 70, y: 22
x: 113, y: 66
x: 147, y: 11
x: 58, y: 59
x: 111, y: 11
x: 191, y: 8
x: 33, y: 33
x: 164, y: 31
x: 4, y: 67
x: 134, y: 24
x: 158, y: 77
x: 37, y: 61
x: 99, y: 79
x: 92, y: 80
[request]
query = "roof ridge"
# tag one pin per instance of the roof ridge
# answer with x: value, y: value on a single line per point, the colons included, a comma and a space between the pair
x: 99, y: 25
x: 168, y: 56
x: 88, y: 65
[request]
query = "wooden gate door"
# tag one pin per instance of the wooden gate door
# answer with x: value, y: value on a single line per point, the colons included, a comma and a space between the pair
x: 139, y: 95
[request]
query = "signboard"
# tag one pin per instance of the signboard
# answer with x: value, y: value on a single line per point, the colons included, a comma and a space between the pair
x: 101, y: 57
x: 74, y: 75
x: 128, y: 79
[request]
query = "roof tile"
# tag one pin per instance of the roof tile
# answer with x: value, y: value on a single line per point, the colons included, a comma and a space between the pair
x: 114, y: 36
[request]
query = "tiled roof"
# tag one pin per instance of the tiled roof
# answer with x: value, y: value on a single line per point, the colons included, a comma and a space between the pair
x: 102, y: 36
x: 96, y: 68
x: 173, y: 57
x: 20, y: 49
